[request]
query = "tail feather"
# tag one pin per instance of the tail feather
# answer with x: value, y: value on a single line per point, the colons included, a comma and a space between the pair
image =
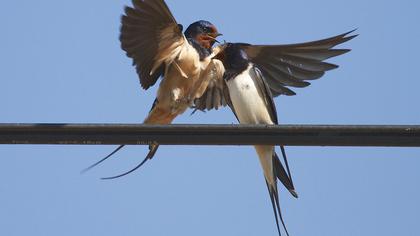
x: 274, y: 197
x: 283, y: 152
x: 280, y: 172
x: 102, y: 160
x: 152, y: 150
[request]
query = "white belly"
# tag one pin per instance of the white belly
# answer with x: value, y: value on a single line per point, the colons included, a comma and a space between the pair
x: 249, y: 105
x: 247, y: 100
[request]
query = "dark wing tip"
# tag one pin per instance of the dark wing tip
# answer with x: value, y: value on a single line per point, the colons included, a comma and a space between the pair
x: 305, y: 83
x: 294, y: 193
x: 339, y: 52
x: 348, y: 38
x: 351, y: 31
x: 144, y: 86
x: 289, y: 92
x: 351, y: 37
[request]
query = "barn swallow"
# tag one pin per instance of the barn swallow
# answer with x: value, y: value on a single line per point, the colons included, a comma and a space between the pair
x: 252, y: 75
x: 154, y: 40
x: 251, y: 101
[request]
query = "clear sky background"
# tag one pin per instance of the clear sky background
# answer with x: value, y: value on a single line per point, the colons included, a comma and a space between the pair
x: 61, y: 62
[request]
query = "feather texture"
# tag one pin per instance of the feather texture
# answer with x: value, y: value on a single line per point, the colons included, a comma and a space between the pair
x: 283, y: 66
x: 150, y: 36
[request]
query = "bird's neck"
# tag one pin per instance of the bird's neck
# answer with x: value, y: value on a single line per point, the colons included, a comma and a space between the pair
x: 202, y: 51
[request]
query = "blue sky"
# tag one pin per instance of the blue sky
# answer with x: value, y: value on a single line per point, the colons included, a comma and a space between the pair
x: 61, y: 62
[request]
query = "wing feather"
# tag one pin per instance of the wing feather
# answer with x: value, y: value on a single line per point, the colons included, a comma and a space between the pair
x: 291, y: 65
x: 289, y: 76
x: 305, y: 64
x: 266, y: 93
x: 213, y: 95
x: 149, y: 33
x: 281, y: 67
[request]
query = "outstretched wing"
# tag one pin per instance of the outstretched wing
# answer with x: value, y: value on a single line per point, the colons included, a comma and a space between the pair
x: 150, y: 36
x: 292, y: 65
x: 283, y: 66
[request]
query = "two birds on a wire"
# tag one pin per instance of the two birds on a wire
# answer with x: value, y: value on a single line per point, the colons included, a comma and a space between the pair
x: 196, y: 74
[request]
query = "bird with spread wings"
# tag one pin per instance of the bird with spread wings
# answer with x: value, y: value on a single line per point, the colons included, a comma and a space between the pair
x: 154, y: 40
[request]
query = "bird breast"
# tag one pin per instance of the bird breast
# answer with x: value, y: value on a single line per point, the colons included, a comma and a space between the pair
x: 188, y: 61
x: 247, y: 99
x: 181, y: 77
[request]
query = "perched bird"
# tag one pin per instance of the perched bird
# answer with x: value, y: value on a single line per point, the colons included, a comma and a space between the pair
x: 251, y: 101
x: 252, y: 75
x: 151, y: 36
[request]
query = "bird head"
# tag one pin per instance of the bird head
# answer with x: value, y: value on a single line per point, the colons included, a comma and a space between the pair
x: 233, y: 56
x: 202, y: 32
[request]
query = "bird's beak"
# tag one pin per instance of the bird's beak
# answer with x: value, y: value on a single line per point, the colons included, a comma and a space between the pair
x: 214, y: 36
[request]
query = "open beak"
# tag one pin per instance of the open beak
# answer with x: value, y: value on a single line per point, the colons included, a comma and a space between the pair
x: 214, y: 36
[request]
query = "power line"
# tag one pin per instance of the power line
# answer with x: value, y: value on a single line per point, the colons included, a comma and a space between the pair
x: 193, y: 134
